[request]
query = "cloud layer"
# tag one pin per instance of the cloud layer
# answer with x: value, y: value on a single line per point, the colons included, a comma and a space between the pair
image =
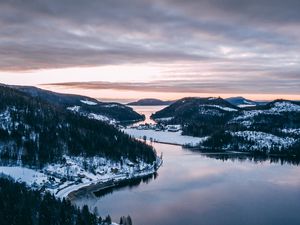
x: 189, y: 86
x: 229, y: 44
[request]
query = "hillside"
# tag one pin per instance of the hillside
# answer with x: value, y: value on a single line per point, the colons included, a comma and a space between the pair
x: 90, y: 107
x: 273, y: 127
x: 198, y: 116
x: 241, y: 102
x: 36, y: 132
x: 150, y: 102
x: 22, y: 206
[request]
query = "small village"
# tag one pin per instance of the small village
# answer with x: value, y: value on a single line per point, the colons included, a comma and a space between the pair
x: 157, y: 127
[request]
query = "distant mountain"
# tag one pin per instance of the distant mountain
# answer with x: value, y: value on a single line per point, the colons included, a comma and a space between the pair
x: 190, y: 108
x: 241, y: 102
x: 35, y: 131
x: 271, y: 128
x: 150, y: 102
x: 90, y: 107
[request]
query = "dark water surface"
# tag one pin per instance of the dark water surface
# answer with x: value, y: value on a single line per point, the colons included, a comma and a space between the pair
x: 195, y: 189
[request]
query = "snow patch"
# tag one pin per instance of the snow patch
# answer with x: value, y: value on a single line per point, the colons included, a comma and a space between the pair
x: 246, y: 105
x: 101, y: 118
x: 74, y: 108
x: 285, y: 107
x: 291, y: 131
x: 211, y: 111
x: 87, y: 102
x: 112, y: 106
x: 279, y: 107
x: 263, y: 140
x: 5, y: 120
x: 61, y: 179
x: 22, y: 174
x: 164, y: 119
x: 220, y: 107
x: 212, y: 98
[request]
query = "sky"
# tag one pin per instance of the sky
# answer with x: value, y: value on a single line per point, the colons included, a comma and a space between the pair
x: 168, y: 49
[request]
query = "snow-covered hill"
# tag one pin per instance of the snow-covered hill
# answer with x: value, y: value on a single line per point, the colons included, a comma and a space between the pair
x: 112, y: 112
x: 241, y: 102
x: 77, y: 172
x: 270, y: 127
x: 259, y: 141
x: 49, y: 148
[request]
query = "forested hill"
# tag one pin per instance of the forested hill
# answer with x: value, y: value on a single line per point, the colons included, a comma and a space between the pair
x: 150, y: 102
x: 273, y: 127
x: 22, y: 206
x: 35, y: 132
x: 190, y: 108
x: 84, y: 105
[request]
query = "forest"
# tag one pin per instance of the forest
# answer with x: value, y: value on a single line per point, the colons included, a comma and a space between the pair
x: 37, y: 132
x: 271, y: 128
x: 23, y: 206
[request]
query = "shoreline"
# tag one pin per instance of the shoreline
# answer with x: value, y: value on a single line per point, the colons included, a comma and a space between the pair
x: 167, y: 143
x: 105, y: 184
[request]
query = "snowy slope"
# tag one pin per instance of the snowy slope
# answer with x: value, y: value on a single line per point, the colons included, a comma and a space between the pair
x: 89, y: 102
x: 220, y: 107
x: 247, y: 116
x: 263, y: 140
x: 77, y: 172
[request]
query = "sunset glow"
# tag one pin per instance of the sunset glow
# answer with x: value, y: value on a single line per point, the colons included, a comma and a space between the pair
x: 165, y: 49
x: 149, y: 112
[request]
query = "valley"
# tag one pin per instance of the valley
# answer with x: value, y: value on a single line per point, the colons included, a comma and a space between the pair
x: 143, y: 155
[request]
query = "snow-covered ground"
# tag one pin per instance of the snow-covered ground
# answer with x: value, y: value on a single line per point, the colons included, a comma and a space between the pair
x: 78, y: 172
x: 220, y: 107
x: 165, y: 136
x: 101, y: 118
x: 210, y: 111
x: 291, y: 131
x: 263, y: 140
x: 76, y: 109
x: 22, y: 174
x: 164, y: 119
x: 285, y: 107
x: 5, y: 120
x: 246, y: 105
x: 279, y: 107
x: 276, y: 109
x: 212, y: 98
x: 87, y: 102
x: 113, y: 106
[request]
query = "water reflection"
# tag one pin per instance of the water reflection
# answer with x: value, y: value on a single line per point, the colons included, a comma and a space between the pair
x: 194, y: 188
x: 256, y: 158
x: 147, y: 111
x: 211, y: 189
x: 129, y: 184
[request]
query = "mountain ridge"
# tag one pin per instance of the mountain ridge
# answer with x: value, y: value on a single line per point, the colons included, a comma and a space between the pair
x: 150, y: 102
x: 241, y: 101
x: 38, y: 132
x: 86, y: 105
x: 273, y: 127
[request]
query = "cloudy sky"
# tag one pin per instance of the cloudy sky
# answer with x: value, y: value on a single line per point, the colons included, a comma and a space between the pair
x: 153, y: 48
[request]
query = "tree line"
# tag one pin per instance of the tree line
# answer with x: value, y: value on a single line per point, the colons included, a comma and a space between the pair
x: 38, y: 132
x: 22, y: 206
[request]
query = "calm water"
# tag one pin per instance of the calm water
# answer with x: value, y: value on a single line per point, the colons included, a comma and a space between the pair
x: 194, y: 189
x: 147, y: 111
